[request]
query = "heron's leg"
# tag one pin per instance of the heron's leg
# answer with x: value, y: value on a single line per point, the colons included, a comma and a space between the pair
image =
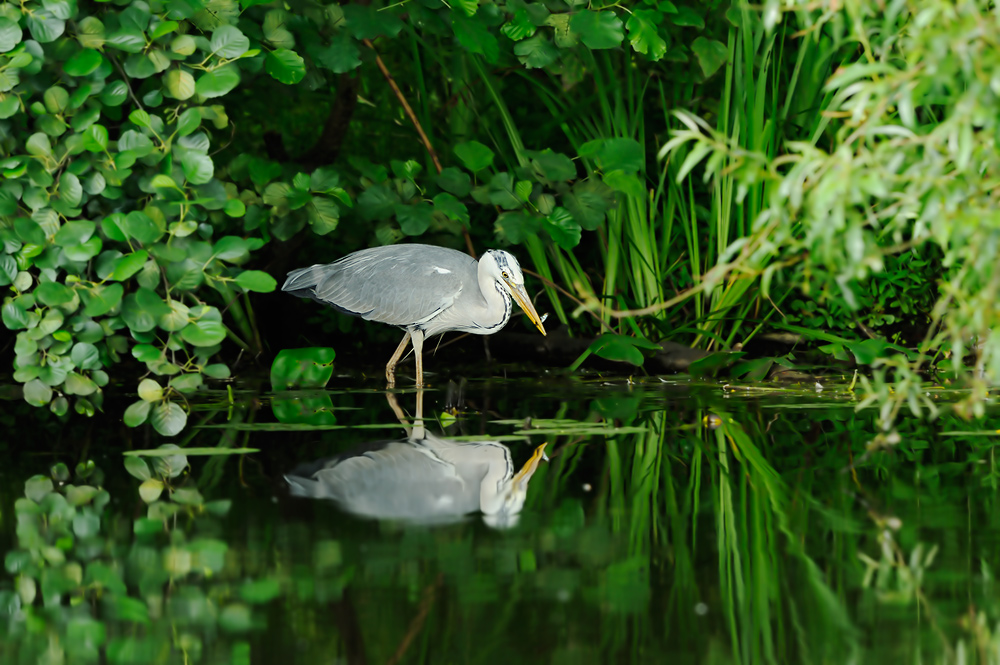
x: 417, y: 336
x: 390, y: 369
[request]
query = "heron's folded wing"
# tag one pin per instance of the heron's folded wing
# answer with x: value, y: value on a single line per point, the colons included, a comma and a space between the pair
x: 398, y: 289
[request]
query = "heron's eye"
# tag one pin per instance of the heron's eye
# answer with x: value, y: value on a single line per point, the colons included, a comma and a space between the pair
x: 504, y: 274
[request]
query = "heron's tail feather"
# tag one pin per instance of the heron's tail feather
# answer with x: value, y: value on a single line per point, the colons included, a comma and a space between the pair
x: 303, y: 282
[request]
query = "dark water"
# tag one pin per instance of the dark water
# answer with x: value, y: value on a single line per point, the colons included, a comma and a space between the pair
x: 670, y: 523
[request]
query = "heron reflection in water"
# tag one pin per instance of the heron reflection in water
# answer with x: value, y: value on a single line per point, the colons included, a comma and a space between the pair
x: 423, y: 479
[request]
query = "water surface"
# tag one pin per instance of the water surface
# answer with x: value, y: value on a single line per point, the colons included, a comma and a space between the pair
x: 670, y: 523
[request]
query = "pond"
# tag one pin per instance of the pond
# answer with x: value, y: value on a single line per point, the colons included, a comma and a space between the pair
x: 529, y: 519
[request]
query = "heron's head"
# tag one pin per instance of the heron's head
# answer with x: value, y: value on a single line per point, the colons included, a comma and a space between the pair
x: 504, y: 268
x: 505, y: 512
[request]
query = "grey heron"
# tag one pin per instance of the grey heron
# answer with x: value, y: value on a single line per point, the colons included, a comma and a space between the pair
x: 423, y: 479
x: 423, y: 289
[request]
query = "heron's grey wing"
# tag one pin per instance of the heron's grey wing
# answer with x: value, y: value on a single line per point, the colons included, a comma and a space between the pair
x: 399, y: 481
x: 400, y: 285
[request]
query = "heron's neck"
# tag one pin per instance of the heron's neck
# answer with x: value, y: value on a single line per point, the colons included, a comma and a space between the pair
x: 497, y: 311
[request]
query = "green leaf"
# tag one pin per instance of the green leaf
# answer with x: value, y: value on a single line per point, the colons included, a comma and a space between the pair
x: 377, y: 202
x: 474, y: 155
x: 285, y: 66
x: 626, y: 183
x: 451, y: 207
x: 10, y: 35
x: 44, y: 26
x: 128, y: 265
x: 53, y: 294
x: 56, y: 99
x: 180, y: 85
x: 231, y: 248
x: 414, y: 220
x: 218, y: 82
x: 136, y: 466
x: 563, y: 228
x: 643, y: 33
x: 598, y: 30
x: 475, y: 37
x: 516, y: 227
x: 619, y: 348
x: 553, y: 166
x: 259, y: 592
x: 176, y: 318
x: 83, y: 63
x: 687, y: 17
x: 168, y: 418
x: 302, y: 368
x: 74, y: 233
x: 217, y: 371
x: 616, y: 154
x: 103, y: 299
x: 142, y: 227
x: 455, y: 180
x: 519, y: 27
x: 77, y: 384
x: 95, y: 138
x: 150, y: 490
x: 256, y: 280
x: 229, y: 42
x: 198, y: 168
x: 37, y: 393
x: 203, y: 332
x: 711, y: 54
x: 588, y: 202
x: 135, y: 415
x: 367, y: 22
x: 150, y: 390
x: 341, y: 56
x: 85, y: 356
x: 537, y: 52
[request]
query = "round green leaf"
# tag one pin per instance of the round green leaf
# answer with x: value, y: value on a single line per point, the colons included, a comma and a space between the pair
x: 37, y: 393
x: 136, y: 415
x: 150, y: 390
x: 95, y: 138
x: 128, y: 265
x: 235, y: 208
x: 198, y: 168
x: 598, y: 29
x: 85, y: 356
x: 228, y: 42
x: 218, y: 82
x: 643, y: 33
x: 474, y: 155
x: 150, y: 490
x: 10, y: 34
x: 53, y: 294
x: 203, y: 332
x: 56, y: 99
x: 83, y: 62
x: 179, y: 83
x: 711, y: 54
x: 168, y: 418
x: 44, y: 26
x: 256, y: 280
x: 103, y: 299
x: 286, y: 66
x: 176, y: 318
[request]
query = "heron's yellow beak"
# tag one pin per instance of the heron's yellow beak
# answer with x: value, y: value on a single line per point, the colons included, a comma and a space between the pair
x: 528, y: 470
x: 521, y: 296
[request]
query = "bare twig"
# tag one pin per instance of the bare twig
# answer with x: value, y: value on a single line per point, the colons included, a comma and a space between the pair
x: 417, y: 624
x: 420, y: 130
x: 406, y: 106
